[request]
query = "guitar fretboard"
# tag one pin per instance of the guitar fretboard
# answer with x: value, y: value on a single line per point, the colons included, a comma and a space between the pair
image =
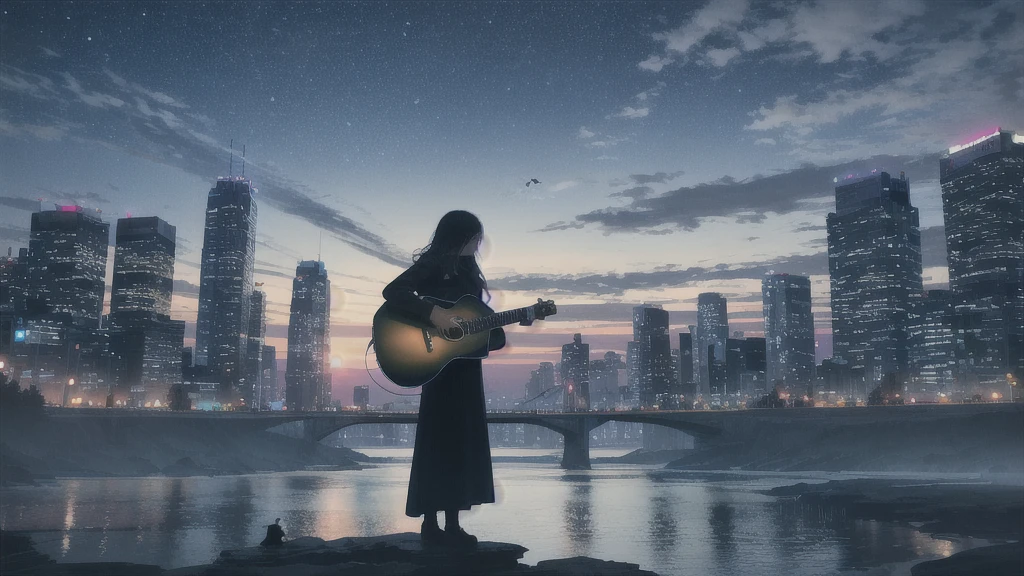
x: 496, y: 320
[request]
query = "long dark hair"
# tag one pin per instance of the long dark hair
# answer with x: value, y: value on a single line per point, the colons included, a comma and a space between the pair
x: 453, y: 232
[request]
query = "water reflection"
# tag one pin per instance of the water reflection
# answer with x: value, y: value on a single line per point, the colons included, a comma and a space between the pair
x: 667, y: 526
x: 662, y: 532
x: 720, y: 520
x: 576, y: 513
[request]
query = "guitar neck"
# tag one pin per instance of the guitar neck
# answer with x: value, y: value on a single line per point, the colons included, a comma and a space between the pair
x: 497, y: 320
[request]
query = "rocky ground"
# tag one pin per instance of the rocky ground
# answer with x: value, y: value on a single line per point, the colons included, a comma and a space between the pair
x: 392, y: 555
x: 973, y: 509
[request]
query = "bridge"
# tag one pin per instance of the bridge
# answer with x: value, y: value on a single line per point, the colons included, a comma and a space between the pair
x: 709, y: 427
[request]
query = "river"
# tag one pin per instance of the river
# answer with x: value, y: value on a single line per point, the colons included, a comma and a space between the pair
x: 666, y: 521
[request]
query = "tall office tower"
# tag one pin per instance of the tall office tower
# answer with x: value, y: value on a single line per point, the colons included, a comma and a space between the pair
x: 932, y: 343
x: 712, y: 333
x: 256, y: 335
x: 575, y: 373
x: 13, y: 292
x: 144, y: 342
x: 604, y: 381
x: 735, y: 365
x: 229, y: 249
x: 654, y: 375
x: 752, y: 380
x: 143, y: 266
x: 361, y: 397
x: 788, y: 330
x: 308, y: 374
x: 686, y: 386
x: 983, y: 209
x: 874, y: 261
x: 631, y: 395
x: 268, y: 377
x: 68, y: 263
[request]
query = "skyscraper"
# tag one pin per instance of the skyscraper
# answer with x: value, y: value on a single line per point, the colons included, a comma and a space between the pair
x: 307, y: 374
x: 268, y: 360
x: 686, y: 385
x: 874, y: 258
x: 143, y: 266
x: 932, y: 343
x: 229, y: 248
x: 68, y: 263
x: 788, y: 330
x: 653, y: 355
x: 254, y: 349
x: 361, y: 397
x: 712, y: 333
x: 983, y: 209
x: 145, y: 343
x: 575, y: 372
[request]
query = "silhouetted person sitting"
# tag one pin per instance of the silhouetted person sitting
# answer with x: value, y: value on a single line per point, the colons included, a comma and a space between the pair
x: 275, y: 534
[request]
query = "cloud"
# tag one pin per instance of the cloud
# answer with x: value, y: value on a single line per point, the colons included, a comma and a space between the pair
x: 655, y: 63
x: 656, y: 178
x: 96, y: 99
x: 26, y: 204
x: 633, y: 113
x: 765, y: 141
x: 715, y: 15
x: 273, y: 273
x: 747, y: 201
x: 14, y: 234
x: 185, y: 288
x: 564, y: 185
x: 721, y: 57
x: 584, y: 133
x: 34, y: 85
x: 561, y: 225
x: 833, y: 29
x: 48, y: 52
x: 179, y: 141
x: 617, y: 284
x: 636, y: 193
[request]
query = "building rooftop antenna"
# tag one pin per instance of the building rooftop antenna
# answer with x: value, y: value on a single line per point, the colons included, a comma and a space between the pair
x: 243, y: 160
x: 320, y: 246
x: 231, y: 162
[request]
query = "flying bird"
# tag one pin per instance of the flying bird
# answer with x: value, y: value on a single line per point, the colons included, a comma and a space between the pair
x: 532, y: 181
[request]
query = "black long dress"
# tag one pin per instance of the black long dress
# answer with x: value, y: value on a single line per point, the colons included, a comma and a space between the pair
x: 451, y: 462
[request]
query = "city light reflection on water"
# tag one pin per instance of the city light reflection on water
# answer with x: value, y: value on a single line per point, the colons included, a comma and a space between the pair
x: 664, y: 521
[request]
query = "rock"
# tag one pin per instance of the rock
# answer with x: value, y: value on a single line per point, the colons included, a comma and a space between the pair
x: 999, y: 560
x: 583, y: 566
x: 391, y: 555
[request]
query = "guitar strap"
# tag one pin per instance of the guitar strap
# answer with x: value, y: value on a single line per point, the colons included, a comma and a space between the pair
x: 370, y: 374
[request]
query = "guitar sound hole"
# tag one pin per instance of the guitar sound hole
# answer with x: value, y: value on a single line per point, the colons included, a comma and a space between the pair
x: 453, y: 334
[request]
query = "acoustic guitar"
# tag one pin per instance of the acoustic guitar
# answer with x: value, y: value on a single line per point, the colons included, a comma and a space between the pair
x: 411, y: 352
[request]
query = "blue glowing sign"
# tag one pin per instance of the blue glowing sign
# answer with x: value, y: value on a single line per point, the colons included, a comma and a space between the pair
x: 19, y: 335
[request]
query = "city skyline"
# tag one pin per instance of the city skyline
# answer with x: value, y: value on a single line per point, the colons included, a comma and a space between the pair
x: 846, y: 110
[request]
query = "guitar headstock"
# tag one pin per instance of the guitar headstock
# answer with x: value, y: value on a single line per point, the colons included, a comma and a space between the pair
x: 544, y: 308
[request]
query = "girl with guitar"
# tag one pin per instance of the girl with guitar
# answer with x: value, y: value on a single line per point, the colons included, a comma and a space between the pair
x: 451, y: 463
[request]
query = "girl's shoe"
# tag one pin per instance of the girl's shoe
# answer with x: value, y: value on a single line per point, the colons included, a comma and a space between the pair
x: 432, y: 535
x: 459, y: 538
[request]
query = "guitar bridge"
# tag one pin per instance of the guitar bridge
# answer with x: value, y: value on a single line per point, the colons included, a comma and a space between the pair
x: 428, y: 340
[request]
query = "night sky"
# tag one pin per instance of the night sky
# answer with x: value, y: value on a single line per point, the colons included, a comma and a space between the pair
x: 681, y: 147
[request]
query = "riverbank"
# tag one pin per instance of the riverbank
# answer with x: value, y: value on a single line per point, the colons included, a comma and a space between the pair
x: 391, y: 555
x: 975, y: 439
x: 975, y: 509
x: 62, y: 447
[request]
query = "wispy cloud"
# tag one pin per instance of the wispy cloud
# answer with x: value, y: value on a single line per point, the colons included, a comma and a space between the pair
x: 746, y: 201
x: 175, y: 140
